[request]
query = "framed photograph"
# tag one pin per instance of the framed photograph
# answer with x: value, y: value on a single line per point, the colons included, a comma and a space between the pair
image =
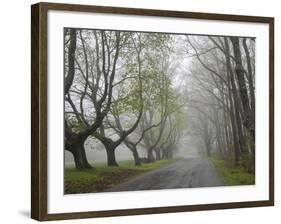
x: 139, y: 111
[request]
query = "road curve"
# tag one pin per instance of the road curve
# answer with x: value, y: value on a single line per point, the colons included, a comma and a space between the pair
x: 184, y: 173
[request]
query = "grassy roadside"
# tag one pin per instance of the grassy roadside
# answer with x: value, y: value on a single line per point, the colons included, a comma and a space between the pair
x: 233, y: 175
x: 103, y: 177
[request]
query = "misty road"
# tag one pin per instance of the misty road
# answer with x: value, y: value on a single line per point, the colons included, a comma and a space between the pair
x: 185, y: 173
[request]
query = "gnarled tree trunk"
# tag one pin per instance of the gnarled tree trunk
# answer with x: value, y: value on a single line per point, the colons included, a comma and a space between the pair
x: 134, y: 151
x: 111, y: 159
x: 79, y: 155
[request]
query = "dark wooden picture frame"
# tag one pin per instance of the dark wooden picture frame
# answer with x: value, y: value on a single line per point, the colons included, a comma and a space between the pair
x: 39, y: 108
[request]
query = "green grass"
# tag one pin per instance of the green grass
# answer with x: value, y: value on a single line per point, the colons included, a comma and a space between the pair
x: 103, y: 177
x: 233, y: 175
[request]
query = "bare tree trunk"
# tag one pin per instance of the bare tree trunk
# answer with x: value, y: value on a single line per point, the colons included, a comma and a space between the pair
x: 252, y: 97
x: 111, y: 159
x: 247, y: 120
x: 226, y: 131
x: 134, y: 151
x: 79, y: 155
x: 250, y: 76
x: 71, y: 60
x: 240, y: 74
x: 234, y: 109
x: 136, y: 157
x: 150, y: 156
x: 158, y: 154
x: 237, y: 151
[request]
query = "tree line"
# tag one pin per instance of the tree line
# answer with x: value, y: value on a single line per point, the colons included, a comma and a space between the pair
x: 118, y: 90
x: 222, y: 99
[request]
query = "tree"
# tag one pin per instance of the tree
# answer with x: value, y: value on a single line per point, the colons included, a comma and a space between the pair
x: 228, y: 88
x: 248, y: 119
x: 129, y: 103
x: 75, y: 147
x: 93, y: 82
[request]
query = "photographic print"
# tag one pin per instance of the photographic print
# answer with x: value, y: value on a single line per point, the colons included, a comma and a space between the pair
x: 154, y: 111
x: 141, y: 111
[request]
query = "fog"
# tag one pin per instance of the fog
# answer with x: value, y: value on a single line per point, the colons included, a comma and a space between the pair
x: 188, y: 147
x: 172, y: 95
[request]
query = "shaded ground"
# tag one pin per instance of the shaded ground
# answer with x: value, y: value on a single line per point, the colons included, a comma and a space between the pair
x: 185, y: 173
